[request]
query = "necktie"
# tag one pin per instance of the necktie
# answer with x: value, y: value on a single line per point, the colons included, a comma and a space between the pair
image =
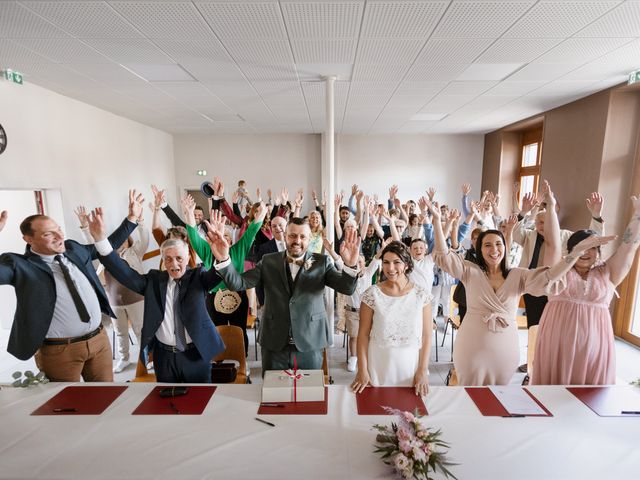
x: 299, y: 262
x: 75, y: 295
x: 178, y: 326
x: 536, y: 251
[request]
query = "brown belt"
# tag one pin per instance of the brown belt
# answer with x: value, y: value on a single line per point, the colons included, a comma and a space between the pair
x: 351, y: 309
x: 67, y: 341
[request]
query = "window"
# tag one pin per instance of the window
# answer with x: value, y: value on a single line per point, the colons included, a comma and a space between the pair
x: 529, y: 172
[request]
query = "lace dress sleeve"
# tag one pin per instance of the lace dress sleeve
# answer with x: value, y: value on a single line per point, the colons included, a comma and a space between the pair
x: 368, y: 297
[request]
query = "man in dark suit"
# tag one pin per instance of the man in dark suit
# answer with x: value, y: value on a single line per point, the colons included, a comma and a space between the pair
x: 60, y: 300
x: 276, y: 244
x: 176, y: 324
x: 294, y: 322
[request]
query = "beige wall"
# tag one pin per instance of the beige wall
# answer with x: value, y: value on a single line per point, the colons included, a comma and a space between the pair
x: 91, y: 156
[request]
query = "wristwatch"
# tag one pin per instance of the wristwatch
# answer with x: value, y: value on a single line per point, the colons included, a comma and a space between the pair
x: 598, y: 219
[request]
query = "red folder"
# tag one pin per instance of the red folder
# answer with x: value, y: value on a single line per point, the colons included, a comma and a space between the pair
x: 296, y: 408
x: 90, y: 400
x: 490, y: 406
x: 610, y: 401
x: 193, y: 403
x: 372, y: 399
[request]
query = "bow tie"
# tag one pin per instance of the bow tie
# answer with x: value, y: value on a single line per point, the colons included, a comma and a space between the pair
x: 299, y: 262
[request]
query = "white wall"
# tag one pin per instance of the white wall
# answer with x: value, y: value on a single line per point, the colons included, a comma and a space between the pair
x: 265, y: 161
x: 92, y: 156
x: 413, y: 162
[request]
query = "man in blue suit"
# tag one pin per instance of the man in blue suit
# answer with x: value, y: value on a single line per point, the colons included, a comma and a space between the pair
x: 176, y: 324
x: 60, y: 300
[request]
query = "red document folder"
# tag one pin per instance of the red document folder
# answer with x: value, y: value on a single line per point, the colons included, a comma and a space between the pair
x: 490, y: 406
x: 610, y: 401
x: 193, y: 403
x: 297, y: 408
x: 372, y: 399
x: 90, y: 400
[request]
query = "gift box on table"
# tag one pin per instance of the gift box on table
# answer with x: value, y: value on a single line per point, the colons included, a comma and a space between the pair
x: 293, y: 386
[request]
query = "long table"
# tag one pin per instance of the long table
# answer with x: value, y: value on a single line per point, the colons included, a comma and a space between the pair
x: 226, y: 442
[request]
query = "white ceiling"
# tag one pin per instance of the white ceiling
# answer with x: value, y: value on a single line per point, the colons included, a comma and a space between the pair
x: 255, y: 66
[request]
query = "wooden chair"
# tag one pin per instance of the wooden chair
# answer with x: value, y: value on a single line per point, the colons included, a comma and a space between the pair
x: 452, y: 378
x: 253, y: 322
x: 453, y: 320
x: 234, y: 341
x: 142, y: 374
x: 325, y: 368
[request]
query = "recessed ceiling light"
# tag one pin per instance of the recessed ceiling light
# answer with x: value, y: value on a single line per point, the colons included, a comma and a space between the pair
x: 488, y: 71
x: 428, y: 117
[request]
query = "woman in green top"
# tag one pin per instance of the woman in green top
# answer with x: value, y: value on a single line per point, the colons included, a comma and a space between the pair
x: 224, y: 306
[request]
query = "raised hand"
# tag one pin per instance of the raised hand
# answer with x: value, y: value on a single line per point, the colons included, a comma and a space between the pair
x: 136, y: 205
x: 431, y: 191
x: 510, y: 223
x: 158, y: 196
x: 220, y: 190
x: 258, y: 195
x: 96, y: 225
x: 466, y: 189
x: 82, y: 215
x: 594, y: 204
x: 591, y: 242
x: 548, y: 196
x: 529, y: 201
x: 260, y: 212
x: 359, y: 195
x: 284, y: 194
x: 393, y: 191
x: 337, y: 201
x: 454, y: 215
x: 215, y: 236
x: 434, y: 208
x: 350, y: 247
x: 314, y: 196
x: 235, y: 196
x: 3, y: 219
x: 299, y: 198
x: 354, y: 189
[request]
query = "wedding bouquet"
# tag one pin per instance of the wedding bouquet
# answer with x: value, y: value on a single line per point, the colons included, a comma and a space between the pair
x: 411, y: 448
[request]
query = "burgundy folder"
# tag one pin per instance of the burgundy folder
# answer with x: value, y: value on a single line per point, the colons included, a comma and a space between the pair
x: 490, y: 406
x: 610, y: 401
x: 193, y: 403
x: 372, y: 400
x: 89, y: 400
x: 296, y: 408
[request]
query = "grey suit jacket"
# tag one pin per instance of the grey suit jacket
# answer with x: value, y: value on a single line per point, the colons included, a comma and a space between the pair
x: 302, y: 306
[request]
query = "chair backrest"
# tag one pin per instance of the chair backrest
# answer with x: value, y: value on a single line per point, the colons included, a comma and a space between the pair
x: 453, y: 308
x: 234, y: 341
x: 142, y: 374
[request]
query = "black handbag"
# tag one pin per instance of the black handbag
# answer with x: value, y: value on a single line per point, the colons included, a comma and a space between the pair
x: 223, y: 372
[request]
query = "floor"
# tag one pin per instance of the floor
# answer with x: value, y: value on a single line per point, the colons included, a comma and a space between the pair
x: 628, y: 360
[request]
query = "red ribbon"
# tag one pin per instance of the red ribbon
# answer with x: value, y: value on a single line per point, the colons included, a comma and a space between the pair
x: 296, y: 376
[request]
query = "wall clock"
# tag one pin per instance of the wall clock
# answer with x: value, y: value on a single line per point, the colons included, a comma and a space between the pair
x: 3, y: 139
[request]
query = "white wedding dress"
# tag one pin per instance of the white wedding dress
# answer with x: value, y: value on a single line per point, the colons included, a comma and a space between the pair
x: 396, y: 335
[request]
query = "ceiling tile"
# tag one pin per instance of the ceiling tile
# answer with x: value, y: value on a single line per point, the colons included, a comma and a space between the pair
x: 452, y: 50
x: 249, y: 20
x: 401, y: 19
x: 85, y: 19
x: 467, y: 88
x: 553, y: 19
x: 513, y: 88
x: 335, y: 20
x: 517, y: 50
x: 435, y: 73
x: 193, y: 51
x: 542, y: 72
x: 384, y: 73
x: 622, y: 21
x: 260, y: 51
x: 129, y: 50
x: 324, y: 51
x: 16, y: 21
x: 581, y: 50
x: 480, y: 19
x: 388, y: 51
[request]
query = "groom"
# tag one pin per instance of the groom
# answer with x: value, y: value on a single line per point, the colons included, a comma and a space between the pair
x: 294, y: 323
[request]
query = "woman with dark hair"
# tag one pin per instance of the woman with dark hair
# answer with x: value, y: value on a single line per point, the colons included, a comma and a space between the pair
x: 575, y: 337
x: 486, y: 350
x: 394, y: 338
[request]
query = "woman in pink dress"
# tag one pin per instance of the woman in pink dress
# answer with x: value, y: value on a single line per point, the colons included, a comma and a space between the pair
x: 575, y: 337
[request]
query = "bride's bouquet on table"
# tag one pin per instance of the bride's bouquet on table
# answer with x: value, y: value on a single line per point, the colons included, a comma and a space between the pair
x: 411, y: 448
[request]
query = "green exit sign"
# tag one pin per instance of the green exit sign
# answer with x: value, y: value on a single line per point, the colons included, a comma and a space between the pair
x: 12, y: 76
x: 634, y: 77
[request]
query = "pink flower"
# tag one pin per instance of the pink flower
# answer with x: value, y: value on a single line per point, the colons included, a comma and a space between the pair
x: 403, y: 434
x: 404, y: 445
x: 428, y: 449
x: 408, y: 416
x: 418, y: 454
x: 400, y: 462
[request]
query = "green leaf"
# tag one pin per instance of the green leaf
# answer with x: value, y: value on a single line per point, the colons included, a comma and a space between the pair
x: 17, y: 383
x: 29, y: 374
x: 25, y: 383
x: 16, y: 375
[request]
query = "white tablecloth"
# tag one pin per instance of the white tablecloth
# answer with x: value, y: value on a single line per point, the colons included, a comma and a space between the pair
x: 226, y: 442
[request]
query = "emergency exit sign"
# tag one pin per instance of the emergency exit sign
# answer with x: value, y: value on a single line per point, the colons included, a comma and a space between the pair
x: 12, y: 76
x: 634, y: 77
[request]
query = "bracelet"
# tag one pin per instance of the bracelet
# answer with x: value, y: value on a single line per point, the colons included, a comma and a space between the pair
x: 598, y: 219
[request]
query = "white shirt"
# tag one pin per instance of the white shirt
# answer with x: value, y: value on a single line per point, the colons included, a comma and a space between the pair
x: 166, y: 333
x: 422, y: 273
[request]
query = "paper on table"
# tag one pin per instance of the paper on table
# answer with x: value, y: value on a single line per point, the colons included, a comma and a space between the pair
x: 516, y: 401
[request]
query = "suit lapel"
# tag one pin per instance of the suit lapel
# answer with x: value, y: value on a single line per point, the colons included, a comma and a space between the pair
x: 284, y: 272
x: 163, y: 281
x: 38, y: 262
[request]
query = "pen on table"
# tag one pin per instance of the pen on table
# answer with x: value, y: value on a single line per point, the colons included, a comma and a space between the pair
x: 265, y: 422
x: 65, y: 410
x: 272, y: 405
x: 515, y: 415
x: 629, y: 412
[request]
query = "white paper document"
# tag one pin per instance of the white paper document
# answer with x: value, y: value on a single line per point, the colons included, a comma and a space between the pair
x: 516, y: 401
